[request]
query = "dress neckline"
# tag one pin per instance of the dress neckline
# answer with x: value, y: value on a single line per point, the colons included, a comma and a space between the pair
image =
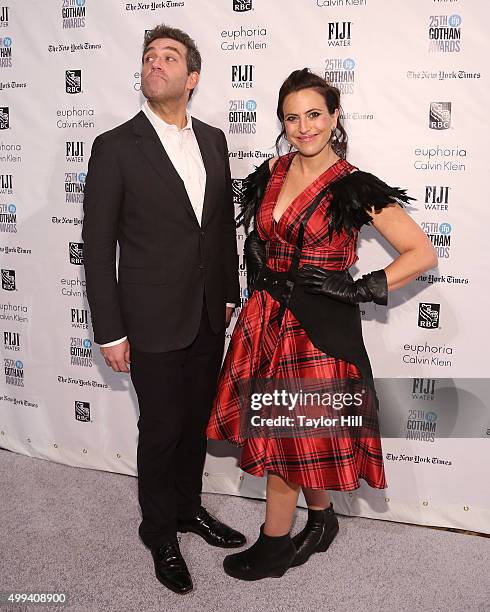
x: 307, y: 188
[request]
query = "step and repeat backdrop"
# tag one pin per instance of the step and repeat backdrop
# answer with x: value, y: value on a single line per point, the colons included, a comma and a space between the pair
x: 414, y: 78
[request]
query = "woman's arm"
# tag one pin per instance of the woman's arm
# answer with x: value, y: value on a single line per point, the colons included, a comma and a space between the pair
x: 416, y: 253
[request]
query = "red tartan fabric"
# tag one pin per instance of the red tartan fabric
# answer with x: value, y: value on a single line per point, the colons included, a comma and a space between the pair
x: 261, y: 348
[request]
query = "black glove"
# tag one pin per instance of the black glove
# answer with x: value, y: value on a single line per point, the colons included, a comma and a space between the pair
x: 339, y: 285
x: 255, y: 258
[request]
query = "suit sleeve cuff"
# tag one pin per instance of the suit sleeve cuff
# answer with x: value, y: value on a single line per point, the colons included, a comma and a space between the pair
x: 114, y: 342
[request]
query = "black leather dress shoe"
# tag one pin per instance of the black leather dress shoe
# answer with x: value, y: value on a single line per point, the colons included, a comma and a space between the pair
x: 213, y: 531
x: 170, y: 567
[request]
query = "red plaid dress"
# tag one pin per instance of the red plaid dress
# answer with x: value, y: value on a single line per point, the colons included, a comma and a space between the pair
x: 262, y: 347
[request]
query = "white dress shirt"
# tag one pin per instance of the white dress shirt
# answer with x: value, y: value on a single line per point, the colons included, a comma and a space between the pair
x: 183, y: 150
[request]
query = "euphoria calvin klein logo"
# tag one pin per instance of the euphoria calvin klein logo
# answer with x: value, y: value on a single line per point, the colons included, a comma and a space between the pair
x: 73, y: 13
x: 440, y: 115
x: 74, y: 150
x: 4, y: 118
x: 444, y: 33
x: 242, y: 5
x: 6, y: 52
x: 82, y: 411
x: 8, y: 280
x: 4, y: 16
x: 339, y: 33
x: 76, y: 253
x: 242, y: 75
x: 73, y: 81
x: 429, y: 315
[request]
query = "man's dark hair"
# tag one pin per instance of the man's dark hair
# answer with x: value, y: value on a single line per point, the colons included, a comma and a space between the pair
x: 164, y: 31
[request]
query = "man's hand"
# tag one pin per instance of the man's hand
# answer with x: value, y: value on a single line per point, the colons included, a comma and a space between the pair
x: 229, y: 312
x: 117, y: 357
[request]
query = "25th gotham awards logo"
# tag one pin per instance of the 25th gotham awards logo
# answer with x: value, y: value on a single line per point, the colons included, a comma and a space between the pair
x: 341, y: 73
x: 4, y: 16
x: 440, y: 236
x: 241, y: 6
x: 429, y: 315
x: 8, y: 218
x: 6, y: 52
x: 14, y: 372
x: 242, y: 117
x: 339, y: 33
x: 73, y: 81
x: 82, y: 411
x: 444, y: 33
x: 81, y: 352
x: 242, y: 75
x: 4, y: 118
x: 440, y: 115
x: 74, y: 187
x: 73, y: 13
x: 8, y: 280
x: 75, y: 250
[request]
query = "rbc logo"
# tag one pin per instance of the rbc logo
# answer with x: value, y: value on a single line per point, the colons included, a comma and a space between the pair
x: 440, y: 115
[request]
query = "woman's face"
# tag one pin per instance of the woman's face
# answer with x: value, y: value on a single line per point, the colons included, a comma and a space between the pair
x: 307, y: 122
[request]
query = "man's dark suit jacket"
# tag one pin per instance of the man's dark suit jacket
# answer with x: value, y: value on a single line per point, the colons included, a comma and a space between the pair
x: 135, y: 197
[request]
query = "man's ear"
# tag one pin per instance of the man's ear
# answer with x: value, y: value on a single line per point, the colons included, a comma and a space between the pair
x: 192, y: 80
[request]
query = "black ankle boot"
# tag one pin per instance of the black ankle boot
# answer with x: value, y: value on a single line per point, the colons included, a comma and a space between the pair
x: 320, y: 530
x: 269, y: 557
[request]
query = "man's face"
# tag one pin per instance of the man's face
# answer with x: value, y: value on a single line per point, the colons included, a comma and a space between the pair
x: 164, y: 74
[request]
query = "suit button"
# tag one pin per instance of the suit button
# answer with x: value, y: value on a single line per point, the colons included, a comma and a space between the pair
x: 201, y: 267
x: 202, y: 233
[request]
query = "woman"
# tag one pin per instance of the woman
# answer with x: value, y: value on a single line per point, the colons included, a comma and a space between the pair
x: 303, y: 320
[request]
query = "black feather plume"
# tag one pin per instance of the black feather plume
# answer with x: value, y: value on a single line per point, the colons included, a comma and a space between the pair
x: 253, y: 189
x: 353, y: 197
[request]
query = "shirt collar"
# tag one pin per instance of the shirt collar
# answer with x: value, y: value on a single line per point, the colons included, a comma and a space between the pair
x: 160, y: 125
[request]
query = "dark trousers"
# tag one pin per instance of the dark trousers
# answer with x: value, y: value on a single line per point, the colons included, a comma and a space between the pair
x: 175, y: 393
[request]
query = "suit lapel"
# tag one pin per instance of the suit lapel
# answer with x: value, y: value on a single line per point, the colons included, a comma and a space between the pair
x: 150, y: 145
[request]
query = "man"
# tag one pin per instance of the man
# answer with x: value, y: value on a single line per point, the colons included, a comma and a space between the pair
x: 159, y: 185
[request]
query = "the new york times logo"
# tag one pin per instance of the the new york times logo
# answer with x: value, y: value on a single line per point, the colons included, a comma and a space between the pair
x: 242, y: 117
x: 444, y: 33
x: 82, y: 411
x: 429, y: 315
x: 242, y: 5
x: 339, y: 33
x: 14, y: 372
x: 440, y: 236
x: 6, y: 52
x: 81, y: 352
x: 11, y: 341
x: 73, y: 81
x: 8, y: 218
x: 341, y: 73
x: 79, y: 318
x: 73, y: 13
x: 75, y: 250
x: 74, y: 150
x: 4, y: 118
x: 6, y: 184
x: 4, y: 16
x: 74, y: 187
x: 436, y: 198
x: 8, y: 280
x: 423, y: 389
x: 440, y: 115
x: 242, y: 75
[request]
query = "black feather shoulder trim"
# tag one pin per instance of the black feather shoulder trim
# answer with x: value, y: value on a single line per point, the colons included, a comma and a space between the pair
x: 253, y: 189
x: 354, y: 195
